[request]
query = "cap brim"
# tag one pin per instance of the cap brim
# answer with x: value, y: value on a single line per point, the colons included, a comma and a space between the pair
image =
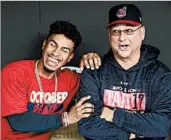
x: 130, y: 22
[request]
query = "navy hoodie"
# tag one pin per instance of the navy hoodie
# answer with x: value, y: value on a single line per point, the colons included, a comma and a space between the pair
x: 141, y: 96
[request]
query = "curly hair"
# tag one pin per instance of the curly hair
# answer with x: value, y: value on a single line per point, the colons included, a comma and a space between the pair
x: 67, y: 29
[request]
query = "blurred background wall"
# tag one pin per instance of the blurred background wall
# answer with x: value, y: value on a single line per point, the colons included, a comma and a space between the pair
x: 24, y: 24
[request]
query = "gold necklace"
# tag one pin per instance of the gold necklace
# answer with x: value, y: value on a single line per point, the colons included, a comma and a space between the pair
x: 39, y: 81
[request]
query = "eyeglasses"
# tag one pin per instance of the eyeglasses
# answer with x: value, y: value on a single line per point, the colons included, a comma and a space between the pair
x: 126, y: 31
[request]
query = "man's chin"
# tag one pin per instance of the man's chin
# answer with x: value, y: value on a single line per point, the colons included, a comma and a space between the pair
x: 124, y: 55
x: 49, y: 70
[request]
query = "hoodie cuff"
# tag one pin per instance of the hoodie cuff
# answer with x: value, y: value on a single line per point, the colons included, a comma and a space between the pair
x: 98, y: 110
x: 119, y: 116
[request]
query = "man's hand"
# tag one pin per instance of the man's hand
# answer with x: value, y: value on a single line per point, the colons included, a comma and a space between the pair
x: 90, y: 60
x: 80, y: 110
x: 107, y: 114
x: 132, y: 136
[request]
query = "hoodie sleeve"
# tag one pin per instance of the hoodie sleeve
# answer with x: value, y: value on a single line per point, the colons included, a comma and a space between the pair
x: 154, y: 123
x: 94, y: 127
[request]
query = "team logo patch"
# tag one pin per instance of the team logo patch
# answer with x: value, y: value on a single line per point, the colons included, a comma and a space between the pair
x: 121, y: 12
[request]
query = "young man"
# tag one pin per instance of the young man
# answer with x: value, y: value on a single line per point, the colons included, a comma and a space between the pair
x: 36, y: 93
x: 131, y: 91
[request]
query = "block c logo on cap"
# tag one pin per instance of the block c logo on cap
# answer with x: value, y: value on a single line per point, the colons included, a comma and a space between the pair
x: 121, y: 12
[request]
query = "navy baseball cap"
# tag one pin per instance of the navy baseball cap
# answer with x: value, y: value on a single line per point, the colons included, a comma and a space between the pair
x: 125, y: 14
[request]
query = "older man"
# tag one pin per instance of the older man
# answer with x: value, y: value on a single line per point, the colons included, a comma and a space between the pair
x: 131, y: 91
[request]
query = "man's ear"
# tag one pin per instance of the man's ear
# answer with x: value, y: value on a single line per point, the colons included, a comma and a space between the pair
x: 70, y: 57
x: 142, y: 31
x: 44, y: 44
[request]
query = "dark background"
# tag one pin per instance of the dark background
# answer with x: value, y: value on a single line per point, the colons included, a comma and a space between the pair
x: 24, y: 24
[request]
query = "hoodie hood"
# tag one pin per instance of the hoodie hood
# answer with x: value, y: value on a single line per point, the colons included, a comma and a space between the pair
x: 149, y: 54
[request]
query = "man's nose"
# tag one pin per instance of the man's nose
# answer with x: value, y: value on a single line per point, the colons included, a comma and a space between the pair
x: 56, y: 51
x: 122, y: 36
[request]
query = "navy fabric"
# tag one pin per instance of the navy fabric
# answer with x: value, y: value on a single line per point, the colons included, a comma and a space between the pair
x: 132, y: 13
x: 149, y: 75
x: 33, y: 122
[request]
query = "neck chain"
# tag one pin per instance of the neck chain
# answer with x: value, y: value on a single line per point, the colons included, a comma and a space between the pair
x: 39, y: 81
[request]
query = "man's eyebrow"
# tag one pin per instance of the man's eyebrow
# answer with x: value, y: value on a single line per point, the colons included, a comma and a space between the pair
x: 53, y: 41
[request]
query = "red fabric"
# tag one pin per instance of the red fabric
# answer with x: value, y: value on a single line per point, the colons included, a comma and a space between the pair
x: 130, y: 22
x: 19, y: 82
